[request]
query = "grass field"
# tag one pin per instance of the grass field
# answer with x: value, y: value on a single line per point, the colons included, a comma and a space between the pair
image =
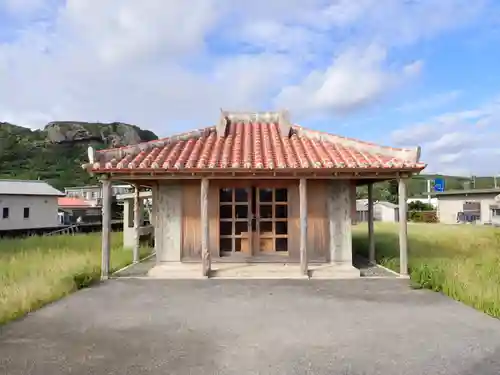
x: 38, y: 270
x: 462, y: 261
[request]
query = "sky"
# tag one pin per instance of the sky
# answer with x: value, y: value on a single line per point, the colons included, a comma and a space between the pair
x: 402, y: 73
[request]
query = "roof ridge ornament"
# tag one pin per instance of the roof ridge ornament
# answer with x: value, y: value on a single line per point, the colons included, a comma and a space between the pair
x: 279, y: 117
x: 91, y: 154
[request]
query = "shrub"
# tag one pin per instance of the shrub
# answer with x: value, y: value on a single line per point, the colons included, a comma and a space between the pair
x: 423, y: 216
x: 461, y: 261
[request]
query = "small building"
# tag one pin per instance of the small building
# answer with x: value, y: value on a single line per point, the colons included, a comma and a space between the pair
x: 382, y: 211
x: 469, y: 206
x: 27, y: 205
x: 253, y: 189
x: 78, y: 210
x: 93, y: 193
x: 386, y: 212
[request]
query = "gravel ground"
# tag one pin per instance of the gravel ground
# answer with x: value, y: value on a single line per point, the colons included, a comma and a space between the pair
x: 370, y: 270
x: 348, y: 327
x: 137, y: 270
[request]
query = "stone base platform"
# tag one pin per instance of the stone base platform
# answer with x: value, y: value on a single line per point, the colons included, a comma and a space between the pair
x: 176, y: 270
x: 334, y: 271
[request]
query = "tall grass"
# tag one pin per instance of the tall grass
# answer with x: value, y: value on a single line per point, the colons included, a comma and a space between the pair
x: 461, y: 261
x: 38, y: 270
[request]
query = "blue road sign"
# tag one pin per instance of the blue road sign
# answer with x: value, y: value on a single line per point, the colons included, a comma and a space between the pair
x: 439, y: 184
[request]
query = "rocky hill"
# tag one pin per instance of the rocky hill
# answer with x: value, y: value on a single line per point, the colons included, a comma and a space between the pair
x: 56, y: 152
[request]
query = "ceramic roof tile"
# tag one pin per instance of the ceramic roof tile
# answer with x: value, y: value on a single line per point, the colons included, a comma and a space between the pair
x: 72, y: 202
x: 254, y: 146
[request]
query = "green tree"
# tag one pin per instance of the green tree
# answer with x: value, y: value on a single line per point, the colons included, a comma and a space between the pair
x: 392, y: 191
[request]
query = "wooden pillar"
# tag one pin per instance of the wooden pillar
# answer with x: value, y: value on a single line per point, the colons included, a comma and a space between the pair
x: 303, y: 226
x: 106, y: 227
x: 137, y: 223
x: 403, y: 228
x: 157, y: 220
x: 205, y: 253
x: 371, y: 237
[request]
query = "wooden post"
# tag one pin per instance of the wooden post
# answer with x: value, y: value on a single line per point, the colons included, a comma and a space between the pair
x: 403, y: 228
x: 157, y: 220
x: 303, y: 226
x: 371, y: 237
x: 205, y: 253
x: 106, y: 227
x: 250, y: 221
x: 137, y: 223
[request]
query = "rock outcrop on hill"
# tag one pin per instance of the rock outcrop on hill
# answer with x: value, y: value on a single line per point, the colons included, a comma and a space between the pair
x: 56, y: 152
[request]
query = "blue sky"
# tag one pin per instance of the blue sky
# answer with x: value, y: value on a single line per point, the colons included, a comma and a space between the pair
x: 396, y: 72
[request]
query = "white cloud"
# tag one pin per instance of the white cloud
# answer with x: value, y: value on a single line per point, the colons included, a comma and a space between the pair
x: 452, y: 142
x: 172, y: 64
x: 22, y: 7
x: 449, y: 158
x: 461, y: 143
x: 354, y: 79
x: 414, y: 134
x: 434, y: 101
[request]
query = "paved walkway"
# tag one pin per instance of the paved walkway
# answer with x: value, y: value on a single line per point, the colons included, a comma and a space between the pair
x: 363, y: 326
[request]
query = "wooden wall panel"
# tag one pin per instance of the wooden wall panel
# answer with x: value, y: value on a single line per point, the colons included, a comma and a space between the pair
x: 318, y: 225
x: 191, y: 222
x: 213, y: 220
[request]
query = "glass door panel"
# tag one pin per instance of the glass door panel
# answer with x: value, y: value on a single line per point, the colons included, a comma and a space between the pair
x: 234, y: 221
x: 272, y: 220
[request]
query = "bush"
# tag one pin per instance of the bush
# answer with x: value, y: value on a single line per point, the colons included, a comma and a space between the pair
x: 423, y: 216
x: 461, y: 261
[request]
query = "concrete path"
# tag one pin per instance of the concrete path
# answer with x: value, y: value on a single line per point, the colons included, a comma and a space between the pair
x: 363, y: 326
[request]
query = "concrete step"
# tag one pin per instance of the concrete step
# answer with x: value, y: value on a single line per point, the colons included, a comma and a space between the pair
x: 176, y: 270
x: 256, y: 271
x: 334, y: 271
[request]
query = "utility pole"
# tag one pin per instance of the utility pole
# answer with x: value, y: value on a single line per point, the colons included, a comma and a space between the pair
x: 472, y: 182
x: 429, y: 191
x: 495, y: 181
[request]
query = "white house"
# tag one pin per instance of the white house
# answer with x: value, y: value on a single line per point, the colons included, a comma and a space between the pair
x: 93, y: 193
x: 28, y: 205
x: 479, y: 206
x: 382, y: 211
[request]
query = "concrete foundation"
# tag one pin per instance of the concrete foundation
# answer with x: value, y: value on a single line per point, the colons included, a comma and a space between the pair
x: 334, y: 271
x: 178, y: 270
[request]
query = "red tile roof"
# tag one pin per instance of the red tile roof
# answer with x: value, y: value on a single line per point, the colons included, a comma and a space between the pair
x: 73, y: 202
x: 254, y: 145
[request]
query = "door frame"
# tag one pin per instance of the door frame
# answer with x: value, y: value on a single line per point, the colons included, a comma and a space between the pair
x: 252, y: 241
